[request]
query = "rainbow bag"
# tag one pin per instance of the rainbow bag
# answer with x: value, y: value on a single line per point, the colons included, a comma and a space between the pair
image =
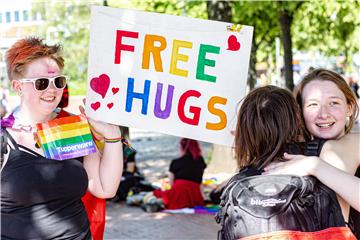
x: 65, y: 138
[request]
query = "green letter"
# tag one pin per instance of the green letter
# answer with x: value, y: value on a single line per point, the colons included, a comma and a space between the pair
x: 203, y: 61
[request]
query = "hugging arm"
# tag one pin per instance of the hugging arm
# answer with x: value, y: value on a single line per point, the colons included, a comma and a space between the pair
x: 335, y: 167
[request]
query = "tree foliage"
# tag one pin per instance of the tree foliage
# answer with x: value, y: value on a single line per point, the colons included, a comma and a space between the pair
x: 329, y: 27
x: 68, y: 23
x: 263, y: 18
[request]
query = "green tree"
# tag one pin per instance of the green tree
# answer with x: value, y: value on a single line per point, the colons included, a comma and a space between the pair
x: 262, y: 16
x: 219, y: 10
x: 331, y: 29
x: 68, y: 23
x: 286, y: 13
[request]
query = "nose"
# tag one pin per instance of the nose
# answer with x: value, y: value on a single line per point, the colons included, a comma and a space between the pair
x: 323, y: 112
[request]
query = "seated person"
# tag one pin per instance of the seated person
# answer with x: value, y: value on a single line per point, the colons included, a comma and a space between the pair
x: 132, y: 179
x: 185, y: 176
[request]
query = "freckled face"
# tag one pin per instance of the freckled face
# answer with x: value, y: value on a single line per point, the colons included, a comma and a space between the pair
x: 43, y: 102
x: 325, y: 109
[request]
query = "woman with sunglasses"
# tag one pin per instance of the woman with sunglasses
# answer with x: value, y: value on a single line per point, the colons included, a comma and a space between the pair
x: 41, y: 198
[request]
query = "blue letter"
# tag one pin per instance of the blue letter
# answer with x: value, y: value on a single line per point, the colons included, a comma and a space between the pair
x: 143, y: 96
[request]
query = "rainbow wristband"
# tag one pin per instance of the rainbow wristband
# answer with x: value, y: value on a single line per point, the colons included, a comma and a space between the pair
x: 114, y: 140
x: 128, y: 149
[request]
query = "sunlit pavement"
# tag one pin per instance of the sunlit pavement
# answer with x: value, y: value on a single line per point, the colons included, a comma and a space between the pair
x: 124, y: 222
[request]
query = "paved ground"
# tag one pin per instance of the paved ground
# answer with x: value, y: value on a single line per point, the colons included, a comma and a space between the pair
x: 124, y: 222
x: 155, y: 152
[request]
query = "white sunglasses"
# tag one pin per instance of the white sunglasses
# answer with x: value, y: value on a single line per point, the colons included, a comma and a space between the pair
x: 43, y: 83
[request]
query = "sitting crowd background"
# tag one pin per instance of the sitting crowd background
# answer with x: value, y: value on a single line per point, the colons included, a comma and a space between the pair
x: 132, y: 181
x: 185, y: 175
x: 185, y: 180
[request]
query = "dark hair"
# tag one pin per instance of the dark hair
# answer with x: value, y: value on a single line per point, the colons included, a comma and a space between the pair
x: 321, y: 74
x: 25, y: 51
x: 268, y: 122
x: 190, y: 146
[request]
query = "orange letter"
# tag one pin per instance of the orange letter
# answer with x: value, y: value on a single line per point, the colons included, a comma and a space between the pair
x: 149, y: 47
x: 222, y: 115
x: 175, y: 56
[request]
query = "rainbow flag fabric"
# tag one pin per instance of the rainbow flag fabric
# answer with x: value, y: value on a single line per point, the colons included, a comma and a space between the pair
x: 65, y: 138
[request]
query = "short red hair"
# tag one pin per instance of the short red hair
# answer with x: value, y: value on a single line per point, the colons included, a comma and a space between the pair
x: 25, y: 51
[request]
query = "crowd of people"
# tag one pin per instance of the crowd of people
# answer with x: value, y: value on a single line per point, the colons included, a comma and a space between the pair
x: 43, y: 198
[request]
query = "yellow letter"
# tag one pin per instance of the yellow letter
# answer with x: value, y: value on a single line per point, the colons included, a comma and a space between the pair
x: 175, y: 56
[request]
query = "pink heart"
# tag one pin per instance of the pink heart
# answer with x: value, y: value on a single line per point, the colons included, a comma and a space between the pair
x: 110, y: 105
x: 233, y: 44
x: 100, y: 84
x: 115, y: 90
x: 95, y: 106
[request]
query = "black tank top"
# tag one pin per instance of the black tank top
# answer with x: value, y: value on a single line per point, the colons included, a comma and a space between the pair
x: 41, y: 198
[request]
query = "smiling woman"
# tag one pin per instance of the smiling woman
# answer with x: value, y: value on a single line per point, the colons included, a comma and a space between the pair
x: 329, y: 109
x: 328, y: 104
x: 41, y: 197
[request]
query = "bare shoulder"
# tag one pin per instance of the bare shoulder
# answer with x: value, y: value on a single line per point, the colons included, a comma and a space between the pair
x: 351, y: 138
x: 343, y: 153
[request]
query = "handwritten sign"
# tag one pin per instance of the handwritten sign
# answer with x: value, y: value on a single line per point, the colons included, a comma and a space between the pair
x: 171, y: 74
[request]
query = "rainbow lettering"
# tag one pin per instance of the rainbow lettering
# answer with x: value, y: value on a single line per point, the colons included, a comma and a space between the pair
x: 65, y: 138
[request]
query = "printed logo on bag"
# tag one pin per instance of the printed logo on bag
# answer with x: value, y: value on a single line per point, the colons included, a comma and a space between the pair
x: 271, y: 202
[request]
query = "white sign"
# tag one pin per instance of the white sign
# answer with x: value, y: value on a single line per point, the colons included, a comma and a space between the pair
x: 175, y: 75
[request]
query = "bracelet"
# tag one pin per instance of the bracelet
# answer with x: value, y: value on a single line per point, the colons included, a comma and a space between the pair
x: 127, y: 148
x: 114, y: 140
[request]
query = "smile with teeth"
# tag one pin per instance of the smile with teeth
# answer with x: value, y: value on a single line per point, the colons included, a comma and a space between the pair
x: 48, y: 99
x: 324, y: 125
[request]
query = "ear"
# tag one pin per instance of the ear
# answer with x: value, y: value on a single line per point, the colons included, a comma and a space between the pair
x: 16, y: 86
x: 349, y: 112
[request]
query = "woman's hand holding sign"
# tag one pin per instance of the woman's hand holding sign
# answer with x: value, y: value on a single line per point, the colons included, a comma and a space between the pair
x: 104, y: 170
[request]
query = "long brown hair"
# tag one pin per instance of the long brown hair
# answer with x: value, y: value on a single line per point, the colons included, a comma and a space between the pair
x: 268, y: 121
x: 327, y: 75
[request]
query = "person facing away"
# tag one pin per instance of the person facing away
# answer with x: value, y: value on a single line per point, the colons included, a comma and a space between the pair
x: 329, y: 109
x: 40, y: 197
x: 185, y: 175
x: 270, y: 124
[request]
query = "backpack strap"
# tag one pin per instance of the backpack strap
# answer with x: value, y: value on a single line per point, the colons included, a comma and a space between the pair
x: 354, y: 216
x: 3, y: 146
x: 225, y: 203
x: 313, y: 148
x: 5, y: 136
